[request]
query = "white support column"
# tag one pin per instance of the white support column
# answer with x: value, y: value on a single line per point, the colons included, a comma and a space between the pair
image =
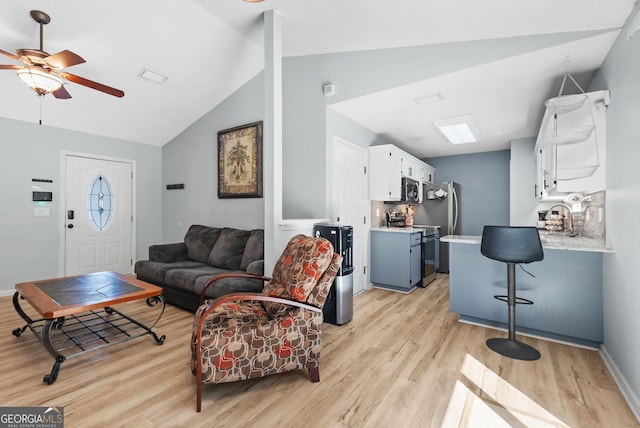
x: 272, y: 138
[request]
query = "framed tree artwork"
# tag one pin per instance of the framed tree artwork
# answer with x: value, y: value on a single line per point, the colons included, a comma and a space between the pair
x: 240, y: 161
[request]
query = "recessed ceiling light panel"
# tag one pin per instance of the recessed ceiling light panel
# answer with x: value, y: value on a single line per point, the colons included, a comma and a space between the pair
x: 458, y: 130
x: 152, y: 76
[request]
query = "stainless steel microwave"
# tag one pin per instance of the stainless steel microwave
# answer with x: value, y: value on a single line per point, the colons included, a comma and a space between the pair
x: 410, y: 190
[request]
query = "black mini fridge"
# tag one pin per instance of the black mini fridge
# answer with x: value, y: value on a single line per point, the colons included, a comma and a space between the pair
x: 338, y: 309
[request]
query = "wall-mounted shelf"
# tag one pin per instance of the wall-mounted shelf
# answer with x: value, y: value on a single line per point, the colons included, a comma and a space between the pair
x: 566, y: 103
x: 570, y: 149
x: 576, y: 135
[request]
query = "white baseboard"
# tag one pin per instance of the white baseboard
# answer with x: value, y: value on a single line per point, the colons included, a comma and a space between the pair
x: 629, y: 395
x: 4, y: 293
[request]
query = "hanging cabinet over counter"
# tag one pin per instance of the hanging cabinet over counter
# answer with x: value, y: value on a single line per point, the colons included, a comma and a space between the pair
x: 570, y: 149
x: 388, y: 164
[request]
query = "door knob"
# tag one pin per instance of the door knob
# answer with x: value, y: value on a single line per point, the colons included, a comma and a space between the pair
x: 70, y: 226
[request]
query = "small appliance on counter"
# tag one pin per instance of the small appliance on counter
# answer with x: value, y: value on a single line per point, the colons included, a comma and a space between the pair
x: 396, y: 219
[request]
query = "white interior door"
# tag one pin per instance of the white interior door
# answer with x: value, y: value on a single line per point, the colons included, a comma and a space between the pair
x: 98, y: 234
x: 350, y: 203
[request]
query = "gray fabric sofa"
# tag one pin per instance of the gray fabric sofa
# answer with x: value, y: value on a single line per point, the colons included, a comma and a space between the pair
x: 183, y: 268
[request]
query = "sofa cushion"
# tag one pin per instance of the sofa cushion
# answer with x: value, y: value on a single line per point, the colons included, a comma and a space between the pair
x: 228, y: 249
x: 184, y: 279
x: 154, y: 272
x: 228, y: 285
x: 168, y: 253
x: 199, y: 241
x: 254, y: 249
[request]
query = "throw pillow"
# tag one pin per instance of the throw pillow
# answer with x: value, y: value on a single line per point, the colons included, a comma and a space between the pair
x: 254, y: 250
x: 199, y: 240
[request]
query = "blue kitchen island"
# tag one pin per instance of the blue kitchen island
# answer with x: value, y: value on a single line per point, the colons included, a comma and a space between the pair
x: 566, y: 289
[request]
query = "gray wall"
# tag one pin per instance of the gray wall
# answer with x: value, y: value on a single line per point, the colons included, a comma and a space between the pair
x: 192, y: 158
x: 339, y: 124
x: 484, y: 188
x: 619, y: 73
x: 30, y: 245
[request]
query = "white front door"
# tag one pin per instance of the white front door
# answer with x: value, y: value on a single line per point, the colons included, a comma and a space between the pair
x: 98, y: 215
x: 350, y: 203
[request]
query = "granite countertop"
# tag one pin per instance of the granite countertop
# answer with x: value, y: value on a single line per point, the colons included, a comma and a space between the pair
x: 551, y: 241
x: 400, y: 229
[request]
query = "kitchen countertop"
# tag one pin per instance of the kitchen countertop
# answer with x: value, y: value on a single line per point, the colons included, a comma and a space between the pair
x: 415, y: 229
x: 551, y: 241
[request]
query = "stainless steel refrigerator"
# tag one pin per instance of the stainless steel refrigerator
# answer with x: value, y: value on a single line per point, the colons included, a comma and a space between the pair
x: 441, y: 207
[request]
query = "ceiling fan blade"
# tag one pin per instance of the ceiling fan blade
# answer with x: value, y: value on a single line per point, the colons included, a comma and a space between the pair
x: 61, y: 94
x: 10, y: 55
x: 91, y: 84
x: 64, y: 59
x: 10, y: 67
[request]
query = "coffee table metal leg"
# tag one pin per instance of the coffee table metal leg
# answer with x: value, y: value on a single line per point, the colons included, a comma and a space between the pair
x: 16, y: 304
x: 46, y: 341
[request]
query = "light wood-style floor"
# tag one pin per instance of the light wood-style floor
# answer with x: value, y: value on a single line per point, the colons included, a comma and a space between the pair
x: 404, y: 361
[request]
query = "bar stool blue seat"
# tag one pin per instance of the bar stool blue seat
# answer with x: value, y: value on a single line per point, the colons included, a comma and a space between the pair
x: 512, y: 245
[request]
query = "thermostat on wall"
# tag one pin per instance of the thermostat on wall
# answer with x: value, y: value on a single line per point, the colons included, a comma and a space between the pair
x: 42, y: 196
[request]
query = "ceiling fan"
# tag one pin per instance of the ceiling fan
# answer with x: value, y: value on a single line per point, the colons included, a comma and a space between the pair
x: 42, y: 72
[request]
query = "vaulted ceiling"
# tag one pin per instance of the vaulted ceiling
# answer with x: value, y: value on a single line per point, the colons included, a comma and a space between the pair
x: 208, y: 49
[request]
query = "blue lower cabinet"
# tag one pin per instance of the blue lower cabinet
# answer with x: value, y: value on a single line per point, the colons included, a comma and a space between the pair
x: 396, y: 260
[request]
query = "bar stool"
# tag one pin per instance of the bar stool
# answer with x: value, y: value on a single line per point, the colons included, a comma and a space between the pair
x: 512, y: 245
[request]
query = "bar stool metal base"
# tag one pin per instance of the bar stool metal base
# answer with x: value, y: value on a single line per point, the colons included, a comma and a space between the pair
x: 513, y: 349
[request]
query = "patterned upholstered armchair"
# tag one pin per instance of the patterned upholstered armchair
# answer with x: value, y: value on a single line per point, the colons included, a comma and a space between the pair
x: 246, y: 335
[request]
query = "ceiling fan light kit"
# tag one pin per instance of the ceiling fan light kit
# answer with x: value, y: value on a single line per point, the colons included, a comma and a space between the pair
x: 39, y: 80
x: 42, y: 72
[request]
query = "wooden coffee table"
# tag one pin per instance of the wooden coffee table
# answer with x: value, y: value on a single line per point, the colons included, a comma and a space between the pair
x: 77, y: 313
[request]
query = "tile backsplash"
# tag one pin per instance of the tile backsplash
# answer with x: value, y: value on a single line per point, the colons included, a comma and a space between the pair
x: 379, y: 208
x: 589, y: 220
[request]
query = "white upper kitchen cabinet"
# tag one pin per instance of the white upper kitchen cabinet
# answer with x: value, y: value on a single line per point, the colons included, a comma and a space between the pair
x: 388, y: 164
x: 385, y: 164
x: 570, y: 149
x: 428, y: 174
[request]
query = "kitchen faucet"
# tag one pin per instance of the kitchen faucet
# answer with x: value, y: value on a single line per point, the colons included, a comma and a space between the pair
x: 548, y: 216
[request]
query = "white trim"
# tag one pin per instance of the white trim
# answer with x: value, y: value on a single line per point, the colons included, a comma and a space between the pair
x: 625, y: 389
x: 300, y: 224
x: 63, y: 194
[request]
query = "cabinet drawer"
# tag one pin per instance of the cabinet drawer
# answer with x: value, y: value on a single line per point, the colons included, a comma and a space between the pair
x: 415, y: 239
